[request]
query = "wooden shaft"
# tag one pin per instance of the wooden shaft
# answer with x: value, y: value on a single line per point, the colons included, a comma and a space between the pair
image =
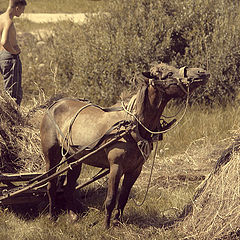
x: 70, y: 166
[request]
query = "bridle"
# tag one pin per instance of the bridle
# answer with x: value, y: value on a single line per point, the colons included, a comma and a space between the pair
x: 179, y: 81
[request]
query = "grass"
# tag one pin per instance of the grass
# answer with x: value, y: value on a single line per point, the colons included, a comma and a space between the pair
x: 60, y: 6
x: 200, y: 127
x: 138, y: 223
x: 193, y: 148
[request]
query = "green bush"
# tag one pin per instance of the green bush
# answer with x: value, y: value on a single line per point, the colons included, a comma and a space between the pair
x: 98, y: 60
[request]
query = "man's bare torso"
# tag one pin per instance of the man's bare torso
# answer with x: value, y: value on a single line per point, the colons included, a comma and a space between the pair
x: 4, y: 20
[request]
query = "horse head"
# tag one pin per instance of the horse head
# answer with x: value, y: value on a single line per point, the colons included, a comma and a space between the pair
x: 161, y: 84
x: 175, y: 82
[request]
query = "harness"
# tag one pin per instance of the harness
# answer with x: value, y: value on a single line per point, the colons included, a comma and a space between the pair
x: 144, y: 145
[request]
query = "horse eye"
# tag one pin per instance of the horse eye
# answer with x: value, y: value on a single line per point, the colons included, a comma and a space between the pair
x: 170, y: 74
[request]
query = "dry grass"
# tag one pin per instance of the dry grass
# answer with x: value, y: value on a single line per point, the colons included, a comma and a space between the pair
x: 19, y: 138
x: 216, y: 210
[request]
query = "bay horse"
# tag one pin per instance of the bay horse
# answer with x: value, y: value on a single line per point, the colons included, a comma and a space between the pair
x: 123, y: 157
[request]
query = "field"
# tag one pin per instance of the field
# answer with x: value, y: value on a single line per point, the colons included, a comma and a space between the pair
x: 60, y: 6
x: 185, y: 158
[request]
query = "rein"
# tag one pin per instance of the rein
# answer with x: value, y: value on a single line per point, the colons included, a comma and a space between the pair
x: 153, y: 132
x: 117, y: 126
x: 150, y: 177
x: 67, y: 136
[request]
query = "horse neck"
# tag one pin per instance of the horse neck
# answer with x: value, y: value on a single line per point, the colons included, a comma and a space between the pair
x: 154, y: 105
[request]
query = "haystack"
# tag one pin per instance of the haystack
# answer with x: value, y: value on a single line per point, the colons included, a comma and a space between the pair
x: 19, y: 139
x: 215, y: 210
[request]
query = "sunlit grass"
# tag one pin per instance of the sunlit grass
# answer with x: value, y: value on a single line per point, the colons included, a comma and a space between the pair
x: 201, y: 126
x: 60, y: 6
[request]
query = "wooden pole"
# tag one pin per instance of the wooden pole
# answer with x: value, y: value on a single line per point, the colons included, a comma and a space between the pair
x: 70, y: 166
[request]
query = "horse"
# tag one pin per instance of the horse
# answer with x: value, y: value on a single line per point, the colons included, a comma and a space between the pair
x: 84, y: 122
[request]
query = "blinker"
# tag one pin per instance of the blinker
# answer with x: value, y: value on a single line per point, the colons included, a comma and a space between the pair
x: 183, y: 71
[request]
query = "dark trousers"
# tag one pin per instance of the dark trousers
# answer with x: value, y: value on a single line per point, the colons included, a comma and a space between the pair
x: 11, y: 69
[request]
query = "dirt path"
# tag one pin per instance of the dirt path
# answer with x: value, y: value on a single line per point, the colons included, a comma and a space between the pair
x: 55, y: 17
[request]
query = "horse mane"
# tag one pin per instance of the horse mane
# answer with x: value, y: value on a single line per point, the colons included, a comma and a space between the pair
x: 140, y: 101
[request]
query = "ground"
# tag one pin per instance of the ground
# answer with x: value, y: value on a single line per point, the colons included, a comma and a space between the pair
x: 45, y: 17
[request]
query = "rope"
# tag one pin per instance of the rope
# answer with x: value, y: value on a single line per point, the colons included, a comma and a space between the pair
x: 173, y: 116
x: 116, y: 126
x: 158, y: 132
x: 155, y: 152
x: 67, y: 136
x: 71, y: 165
x: 150, y: 177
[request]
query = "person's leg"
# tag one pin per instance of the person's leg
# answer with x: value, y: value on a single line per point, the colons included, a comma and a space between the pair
x: 11, y: 69
x: 17, y: 89
x: 7, y: 67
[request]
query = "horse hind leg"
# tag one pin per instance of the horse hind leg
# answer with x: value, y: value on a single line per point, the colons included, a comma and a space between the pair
x: 128, y: 181
x: 113, y: 182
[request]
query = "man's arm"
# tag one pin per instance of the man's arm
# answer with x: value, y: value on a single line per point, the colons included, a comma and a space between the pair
x: 5, y: 39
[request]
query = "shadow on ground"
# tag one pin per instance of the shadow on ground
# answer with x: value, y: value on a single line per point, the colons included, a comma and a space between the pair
x: 83, y: 200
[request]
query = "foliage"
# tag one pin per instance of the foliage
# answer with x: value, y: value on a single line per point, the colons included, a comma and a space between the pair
x: 98, y: 60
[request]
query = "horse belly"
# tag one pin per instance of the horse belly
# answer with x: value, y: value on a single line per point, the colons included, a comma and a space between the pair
x: 98, y: 159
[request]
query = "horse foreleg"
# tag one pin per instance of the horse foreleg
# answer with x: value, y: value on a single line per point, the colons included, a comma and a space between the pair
x: 72, y: 176
x: 128, y: 181
x: 51, y: 191
x: 52, y: 157
x: 113, y: 182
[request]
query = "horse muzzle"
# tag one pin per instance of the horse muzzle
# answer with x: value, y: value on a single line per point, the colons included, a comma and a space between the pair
x: 194, y: 75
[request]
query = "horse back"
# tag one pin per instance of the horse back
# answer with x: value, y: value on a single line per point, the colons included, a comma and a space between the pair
x: 80, y: 121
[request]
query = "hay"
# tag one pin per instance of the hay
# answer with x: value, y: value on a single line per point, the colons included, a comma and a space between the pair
x: 215, y: 210
x: 19, y: 139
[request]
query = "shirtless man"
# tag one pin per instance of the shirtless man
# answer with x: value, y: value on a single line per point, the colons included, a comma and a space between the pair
x: 10, y: 63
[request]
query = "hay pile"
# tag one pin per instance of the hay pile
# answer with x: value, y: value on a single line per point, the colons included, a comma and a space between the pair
x: 215, y: 211
x: 19, y: 139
